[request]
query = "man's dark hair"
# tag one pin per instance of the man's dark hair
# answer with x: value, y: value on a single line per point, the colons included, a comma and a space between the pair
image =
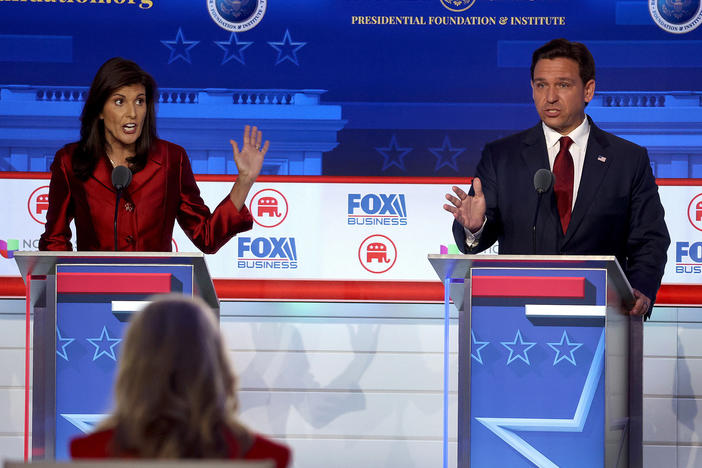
x: 112, y: 75
x: 558, y: 48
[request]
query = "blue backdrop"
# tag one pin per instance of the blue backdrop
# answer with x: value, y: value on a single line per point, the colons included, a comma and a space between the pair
x: 412, y: 88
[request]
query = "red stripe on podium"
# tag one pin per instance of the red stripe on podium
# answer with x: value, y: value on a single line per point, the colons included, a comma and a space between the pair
x: 113, y: 283
x: 528, y: 286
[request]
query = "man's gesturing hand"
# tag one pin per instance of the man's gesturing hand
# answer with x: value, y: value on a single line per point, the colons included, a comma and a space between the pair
x: 468, y: 210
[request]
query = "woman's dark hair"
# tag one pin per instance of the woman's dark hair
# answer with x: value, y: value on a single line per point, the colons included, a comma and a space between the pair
x: 112, y: 75
x: 562, y: 48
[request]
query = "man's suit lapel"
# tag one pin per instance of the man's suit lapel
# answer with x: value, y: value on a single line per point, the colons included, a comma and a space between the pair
x: 534, y: 151
x: 597, y: 161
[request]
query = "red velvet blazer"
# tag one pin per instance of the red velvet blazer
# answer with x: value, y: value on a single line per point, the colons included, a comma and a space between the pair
x: 161, y: 193
x: 97, y: 445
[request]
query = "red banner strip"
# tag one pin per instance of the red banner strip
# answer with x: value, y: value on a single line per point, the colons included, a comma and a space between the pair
x: 680, y: 295
x: 113, y: 283
x: 528, y: 286
x: 318, y: 290
x: 349, y: 291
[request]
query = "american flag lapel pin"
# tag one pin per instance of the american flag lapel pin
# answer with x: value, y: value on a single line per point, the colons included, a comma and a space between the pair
x: 601, y: 159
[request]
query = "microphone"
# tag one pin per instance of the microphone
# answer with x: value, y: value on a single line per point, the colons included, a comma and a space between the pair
x: 121, y: 178
x: 543, y: 181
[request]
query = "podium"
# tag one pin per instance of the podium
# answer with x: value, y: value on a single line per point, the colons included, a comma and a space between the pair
x: 549, y: 363
x: 81, y: 303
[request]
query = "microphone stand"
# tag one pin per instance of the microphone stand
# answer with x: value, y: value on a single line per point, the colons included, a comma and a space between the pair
x: 533, y: 226
x: 543, y: 181
x: 119, y: 195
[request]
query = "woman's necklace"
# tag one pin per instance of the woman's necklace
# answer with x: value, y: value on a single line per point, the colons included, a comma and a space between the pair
x: 114, y: 164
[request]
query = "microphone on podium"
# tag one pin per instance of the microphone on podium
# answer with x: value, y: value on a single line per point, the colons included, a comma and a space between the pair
x: 543, y: 181
x: 121, y: 178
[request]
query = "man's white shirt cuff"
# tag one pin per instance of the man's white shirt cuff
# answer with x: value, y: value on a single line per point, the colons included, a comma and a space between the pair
x: 473, y: 238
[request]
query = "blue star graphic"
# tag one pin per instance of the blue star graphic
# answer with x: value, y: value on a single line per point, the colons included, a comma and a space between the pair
x: 393, y: 155
x: 477, y: 347
x: 504, y: 427
x: 518, y: 343
x: 446, y: 155
x: 287, y: 49
x: 104, y: 345
x: 564, y: 349
x: 233, y: 49
x: 180, y: 48
x: 62, y: 342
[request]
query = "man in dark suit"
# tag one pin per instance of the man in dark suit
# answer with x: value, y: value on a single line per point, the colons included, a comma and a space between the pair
x: 604, y: 200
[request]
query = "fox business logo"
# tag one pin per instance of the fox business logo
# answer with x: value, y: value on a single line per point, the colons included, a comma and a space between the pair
x: 377, y: 209
x: 688, y: 258
x: 259, y: 253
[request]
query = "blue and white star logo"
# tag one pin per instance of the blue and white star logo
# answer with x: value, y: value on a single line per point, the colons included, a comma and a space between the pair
x: 446, y: 155
x: 393, y: 155
x: 61, y: 344
x: 518, y: 348
x: 85, y: 422
x: 477, y: 346
x: 287, y: 49
x: 233, y: 49
x: 104, y: 345
x: 180, y: 48
x: 564, y: 349
x: 505, y: 428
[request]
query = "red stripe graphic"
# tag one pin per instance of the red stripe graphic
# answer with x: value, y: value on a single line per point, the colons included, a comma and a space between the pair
x: 113, y: 283
x: 528, y: 286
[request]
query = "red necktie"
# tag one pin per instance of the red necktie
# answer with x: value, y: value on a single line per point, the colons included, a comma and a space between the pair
x: 563, y: 170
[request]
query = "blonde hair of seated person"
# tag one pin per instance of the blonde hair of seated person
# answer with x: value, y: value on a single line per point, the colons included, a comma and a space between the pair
x: 175, y: 392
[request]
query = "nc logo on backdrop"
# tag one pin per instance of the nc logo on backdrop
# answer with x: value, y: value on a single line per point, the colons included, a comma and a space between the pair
x: 457, y: 5
x: 38, y: 204
x: 8, y: 249
x: 269, y: 208
x: 377, y: 209
x: 377, y: 253
x: 259, y: 253
x: 237, y: 15
x: 676, y: 16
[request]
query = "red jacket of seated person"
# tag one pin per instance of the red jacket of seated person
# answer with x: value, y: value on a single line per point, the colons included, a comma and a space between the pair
x: 97, y: 445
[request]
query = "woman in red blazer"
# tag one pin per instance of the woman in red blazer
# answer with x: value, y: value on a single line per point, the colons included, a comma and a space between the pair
x: 175, y: 393
x: 118, y: 128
